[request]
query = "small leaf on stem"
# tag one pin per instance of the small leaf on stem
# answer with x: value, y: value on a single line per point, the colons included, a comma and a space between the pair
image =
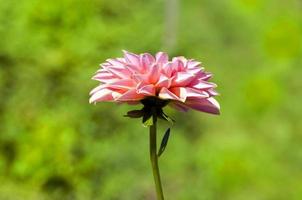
x: 164, y: 142
x: 134, y: 114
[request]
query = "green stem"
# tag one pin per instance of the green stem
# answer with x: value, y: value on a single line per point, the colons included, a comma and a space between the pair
x: 154, y: 160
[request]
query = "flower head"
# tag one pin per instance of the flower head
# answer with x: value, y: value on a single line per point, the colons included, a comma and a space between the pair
x: 180, y: 82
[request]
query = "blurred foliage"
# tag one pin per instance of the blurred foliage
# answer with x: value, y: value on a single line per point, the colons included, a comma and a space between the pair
x: 54, y: 145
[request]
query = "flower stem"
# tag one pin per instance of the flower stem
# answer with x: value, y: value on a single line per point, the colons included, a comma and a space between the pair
x: 154, y: 160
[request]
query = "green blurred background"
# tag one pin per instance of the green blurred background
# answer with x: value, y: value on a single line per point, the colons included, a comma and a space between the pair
x: 54, y: 145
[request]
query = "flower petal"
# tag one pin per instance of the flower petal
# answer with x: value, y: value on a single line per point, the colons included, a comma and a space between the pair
x: 102, y: 86
x: 119, y: 72
x: 105, y: 77
x: 101, y: 95
x: 167, y: 94
x: 132, y: 58
x: 162, y: 57
x: 141, y: 78
x: 212, y: 92
x: 182, y: 79
x: 130, y: 95
x: 180, y: 92
x: 122, y: 84
x: 154, y: 73
x: 179, y: 106
x: 116, y: 63
x: 206, y: 76
x: 179, y: 63
x: 201, y: 85
x: 192, y: 64
x: 168, y: 69
x: 208, y: 105
x: 163, y: 81
x: 148, y: 90
x: 191, y: 92
x: 146, y: 60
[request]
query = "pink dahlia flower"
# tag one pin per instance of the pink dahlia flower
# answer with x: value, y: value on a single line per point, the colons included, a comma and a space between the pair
x: 180, y: 81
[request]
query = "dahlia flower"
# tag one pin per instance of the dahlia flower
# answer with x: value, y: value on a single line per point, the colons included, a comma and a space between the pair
x: 180, y: 81
x: 155, y: 82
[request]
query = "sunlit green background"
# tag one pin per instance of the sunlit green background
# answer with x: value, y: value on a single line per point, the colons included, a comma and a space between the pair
x: 54, y: 145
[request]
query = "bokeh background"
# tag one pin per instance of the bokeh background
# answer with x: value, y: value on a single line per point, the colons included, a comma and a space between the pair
x: 54, y: 145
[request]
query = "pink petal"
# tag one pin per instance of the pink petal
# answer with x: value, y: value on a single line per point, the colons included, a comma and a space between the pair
x: 193, y: 64
x: 191, y: 92
x: 183, y: 79
x: 178, y: 64
x: 212, y: 92
x: 196, y: 71
x: 167, y: 94
x: 163, y: 81
x: 154, y: 74
x: 146, y: 60
x: 98, y: 88
x: 131, y: 95
x: 180, y: 92
x: 125, y: 84
x: 131, y: 58
x: 179, y: 106
x: 101, y: 70
x: 116, y: 63
x: 148, y: 90
x: 201, y: 85
x: 141, y: 78
x: 168, y: 69
x: 121, y: 73
x: 208, y: 105
x: 101, y: 95
x: 117, y: 94
x: 105, y: 77
x: 161, y: 57
x: 206, y: 76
